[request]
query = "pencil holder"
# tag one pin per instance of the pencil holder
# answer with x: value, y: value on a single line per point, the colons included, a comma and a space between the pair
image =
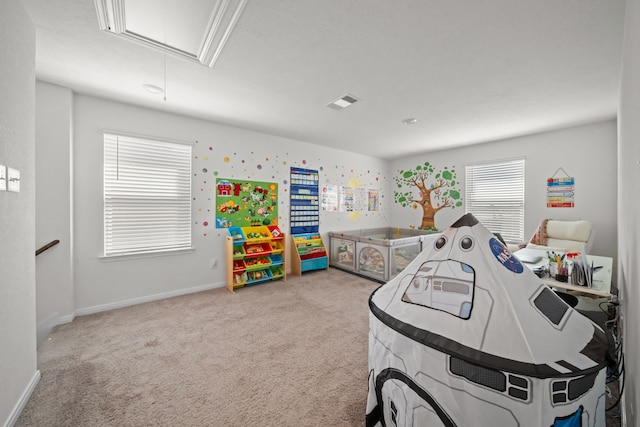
x: 553, y: 270
x: 562, y: 274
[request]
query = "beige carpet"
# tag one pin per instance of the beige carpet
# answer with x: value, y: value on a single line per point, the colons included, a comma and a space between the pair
x: 288, y: 353
x: 279, y: 354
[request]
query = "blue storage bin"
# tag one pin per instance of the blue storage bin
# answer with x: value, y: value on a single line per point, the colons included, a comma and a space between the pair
x: 237, y: 235
x: 314, y: 264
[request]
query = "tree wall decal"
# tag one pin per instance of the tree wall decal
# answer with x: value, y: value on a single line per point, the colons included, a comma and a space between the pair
x: 440, y: 193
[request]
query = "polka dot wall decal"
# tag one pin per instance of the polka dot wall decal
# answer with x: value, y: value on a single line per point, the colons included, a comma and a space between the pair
x: 226, y: 160
x: 206, y: 158
x: 242, y: 161
x: 259, y: 166
x: 210, y: 148
x: 304, y: 162
x: 205, y: 223
x: 204, y: 170
x: 215, y: 173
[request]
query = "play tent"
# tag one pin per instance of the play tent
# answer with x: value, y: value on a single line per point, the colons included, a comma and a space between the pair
x: 467, y: 335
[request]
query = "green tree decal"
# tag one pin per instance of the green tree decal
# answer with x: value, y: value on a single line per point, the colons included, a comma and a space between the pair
x: 441, y: 193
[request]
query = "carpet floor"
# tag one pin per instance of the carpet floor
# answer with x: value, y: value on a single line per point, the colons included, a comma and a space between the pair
x: 288, y: 353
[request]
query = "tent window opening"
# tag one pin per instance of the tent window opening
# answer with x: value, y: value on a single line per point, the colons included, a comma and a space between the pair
x: 147, y: 195
x: 495, y: 380
x: 443, y: 285
x: 494, y: 194
x: 551, y: 306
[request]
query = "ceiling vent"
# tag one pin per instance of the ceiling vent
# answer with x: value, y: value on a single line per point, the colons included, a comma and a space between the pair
x: 343, y: 102
x: 197, y: 33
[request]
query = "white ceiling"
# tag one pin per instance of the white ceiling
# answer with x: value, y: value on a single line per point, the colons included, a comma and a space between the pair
x: 469, y: 71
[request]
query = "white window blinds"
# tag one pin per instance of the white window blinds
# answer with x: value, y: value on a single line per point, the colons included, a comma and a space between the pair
x: 147, y: 195
x: 494, y: 194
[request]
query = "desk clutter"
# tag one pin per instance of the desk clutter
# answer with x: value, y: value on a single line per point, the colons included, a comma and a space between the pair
x: 576, y: 271
x: 573, y: 267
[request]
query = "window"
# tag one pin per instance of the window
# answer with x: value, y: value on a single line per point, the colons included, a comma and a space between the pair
x: 494, y: 194
x: 147, y: 195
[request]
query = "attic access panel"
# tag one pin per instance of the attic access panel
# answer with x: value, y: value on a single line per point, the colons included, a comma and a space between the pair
x: 193, y: 29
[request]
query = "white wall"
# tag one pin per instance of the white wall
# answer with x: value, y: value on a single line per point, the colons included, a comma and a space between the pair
x: 54, y: 269
x: 587, y: 153
x: 219, y: 151
x: 18, y: 373
x: 628, y: 207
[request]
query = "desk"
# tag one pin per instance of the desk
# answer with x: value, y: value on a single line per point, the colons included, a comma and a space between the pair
x: 601, y: 279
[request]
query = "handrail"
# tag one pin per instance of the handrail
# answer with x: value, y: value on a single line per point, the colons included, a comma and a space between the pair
x: 47, y: 246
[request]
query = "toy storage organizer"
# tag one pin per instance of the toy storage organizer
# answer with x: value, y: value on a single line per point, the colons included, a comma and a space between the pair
x: 254, y: 255
x: 378, y: 253
x: 310, y: 253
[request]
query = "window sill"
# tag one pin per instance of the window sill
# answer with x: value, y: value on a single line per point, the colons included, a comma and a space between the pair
x: 111, y: 258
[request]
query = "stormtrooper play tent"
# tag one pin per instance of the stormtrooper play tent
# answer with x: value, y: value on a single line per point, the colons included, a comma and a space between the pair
x: 468, y: 336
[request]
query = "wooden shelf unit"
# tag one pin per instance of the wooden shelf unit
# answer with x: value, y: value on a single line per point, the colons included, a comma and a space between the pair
x: 310, y: 253
x: 254, y: 255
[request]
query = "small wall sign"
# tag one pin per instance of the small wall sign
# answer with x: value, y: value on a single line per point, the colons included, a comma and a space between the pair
x: 561, y: 190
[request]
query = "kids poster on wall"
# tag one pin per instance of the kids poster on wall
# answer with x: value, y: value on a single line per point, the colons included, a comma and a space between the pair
x: 373, y: 200
x: 243, y: 203
x: 561, y: 190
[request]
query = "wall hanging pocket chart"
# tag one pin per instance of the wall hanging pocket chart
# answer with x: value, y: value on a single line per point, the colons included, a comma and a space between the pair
x: 310, y: 253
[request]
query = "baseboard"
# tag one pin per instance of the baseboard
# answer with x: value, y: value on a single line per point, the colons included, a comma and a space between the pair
x: 26, y: 394
x: 148, y: 298
x: 44, y: 329
x: 66, y: 319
